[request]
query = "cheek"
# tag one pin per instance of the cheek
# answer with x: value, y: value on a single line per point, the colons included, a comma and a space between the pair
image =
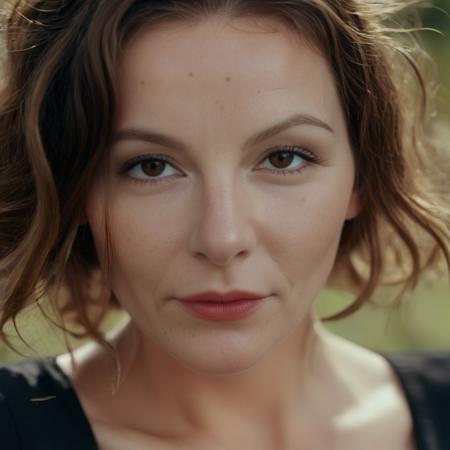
x: 142, y: 245
x: 298, y: 235
x: 305, y: 232
x: 146, y: 229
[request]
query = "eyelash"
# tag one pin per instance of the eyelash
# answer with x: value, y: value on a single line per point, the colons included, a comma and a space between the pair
x: 306, y: 155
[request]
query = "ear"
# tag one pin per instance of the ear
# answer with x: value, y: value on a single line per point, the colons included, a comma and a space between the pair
x: 354, y: 205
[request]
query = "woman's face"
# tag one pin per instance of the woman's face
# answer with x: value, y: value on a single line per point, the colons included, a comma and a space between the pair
x: 220, y: 214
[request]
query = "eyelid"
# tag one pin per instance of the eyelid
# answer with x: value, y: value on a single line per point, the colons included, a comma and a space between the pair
x: 135, y: 161
x: 309, y: 156
x: 286, y: 147
x: 305, y: 152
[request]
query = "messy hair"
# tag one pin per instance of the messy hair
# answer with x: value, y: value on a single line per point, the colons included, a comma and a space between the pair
x: 57, y: 105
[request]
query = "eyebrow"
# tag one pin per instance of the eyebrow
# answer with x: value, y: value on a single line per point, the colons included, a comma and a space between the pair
x: 168, y: 141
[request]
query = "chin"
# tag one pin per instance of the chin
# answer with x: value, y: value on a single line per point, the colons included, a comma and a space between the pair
x: 222, y: 358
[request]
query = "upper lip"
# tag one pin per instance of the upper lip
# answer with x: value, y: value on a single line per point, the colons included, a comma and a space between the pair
x: 213, y: 296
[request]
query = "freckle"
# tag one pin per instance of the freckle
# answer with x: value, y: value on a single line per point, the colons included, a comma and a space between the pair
x: 191, y: 74
x: 142, y: 83
x: 222, y: 108
x: 228, y: 78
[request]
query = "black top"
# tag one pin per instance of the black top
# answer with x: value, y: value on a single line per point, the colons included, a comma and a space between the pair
x: 39, y: 409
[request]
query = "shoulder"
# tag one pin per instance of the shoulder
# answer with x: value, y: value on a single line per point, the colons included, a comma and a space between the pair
x: 376, y: 412
x: 426, y: 374
x: 406, y: 394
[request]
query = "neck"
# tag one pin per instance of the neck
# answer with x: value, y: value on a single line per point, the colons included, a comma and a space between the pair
x: 291, y: 381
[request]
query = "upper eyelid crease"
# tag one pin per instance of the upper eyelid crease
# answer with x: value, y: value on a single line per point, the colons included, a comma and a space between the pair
x: 170, y: 142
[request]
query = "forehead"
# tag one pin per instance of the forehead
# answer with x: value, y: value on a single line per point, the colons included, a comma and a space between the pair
x: 252, y: 65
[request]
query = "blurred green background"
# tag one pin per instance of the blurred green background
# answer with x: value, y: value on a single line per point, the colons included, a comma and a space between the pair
x: 438, y: 45
x: 423, y: 320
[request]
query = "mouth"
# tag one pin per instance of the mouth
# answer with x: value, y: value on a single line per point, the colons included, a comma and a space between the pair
x: 222, y: 310
x: 217, y: 297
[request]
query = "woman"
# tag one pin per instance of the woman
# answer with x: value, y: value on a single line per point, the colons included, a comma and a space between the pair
x: 209, y: 166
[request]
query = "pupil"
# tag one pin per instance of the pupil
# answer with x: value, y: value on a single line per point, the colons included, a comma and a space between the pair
x: 282, y: 157
x: 152, y: 168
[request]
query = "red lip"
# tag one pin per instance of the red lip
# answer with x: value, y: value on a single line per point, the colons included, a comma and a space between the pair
x: 213, y: 296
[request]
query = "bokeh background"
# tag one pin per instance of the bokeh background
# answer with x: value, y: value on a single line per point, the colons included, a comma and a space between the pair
x: 421, y: 323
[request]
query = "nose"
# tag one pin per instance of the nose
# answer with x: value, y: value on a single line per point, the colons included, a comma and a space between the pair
x: 223, y: 229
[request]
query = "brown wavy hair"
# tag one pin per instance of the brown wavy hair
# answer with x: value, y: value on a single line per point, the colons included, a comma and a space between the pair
x: 57, y: 105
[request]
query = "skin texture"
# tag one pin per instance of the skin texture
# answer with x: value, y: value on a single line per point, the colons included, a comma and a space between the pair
x: 221, y: 220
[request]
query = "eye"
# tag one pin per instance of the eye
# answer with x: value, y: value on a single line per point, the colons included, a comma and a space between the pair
x: 285, y: 156
x: 143, y: 168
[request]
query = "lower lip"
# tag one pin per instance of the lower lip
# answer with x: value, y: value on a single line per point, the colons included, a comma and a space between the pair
x: 221, y: 311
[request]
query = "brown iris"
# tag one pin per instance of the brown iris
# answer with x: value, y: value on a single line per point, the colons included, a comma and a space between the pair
x: 281, y: 158
x: 153, y: 167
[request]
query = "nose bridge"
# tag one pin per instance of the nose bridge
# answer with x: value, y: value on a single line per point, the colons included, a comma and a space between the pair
x: 220, y: 205
x: 221, y: 230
